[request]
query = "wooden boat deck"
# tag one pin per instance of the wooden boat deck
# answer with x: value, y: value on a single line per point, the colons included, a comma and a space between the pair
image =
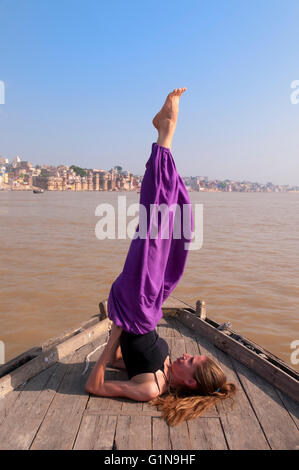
x: 53, y: 411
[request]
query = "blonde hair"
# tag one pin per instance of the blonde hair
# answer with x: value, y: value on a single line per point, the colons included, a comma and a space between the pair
x: 181, y: 404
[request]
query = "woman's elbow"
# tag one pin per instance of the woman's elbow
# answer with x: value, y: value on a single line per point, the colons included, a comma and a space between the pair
x: 99, y: 391
x: 89, y: 389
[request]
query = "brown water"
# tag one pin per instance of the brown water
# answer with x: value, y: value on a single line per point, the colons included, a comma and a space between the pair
x: 54, y: 271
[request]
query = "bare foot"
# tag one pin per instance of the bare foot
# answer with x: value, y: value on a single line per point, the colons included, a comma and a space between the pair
x: 166, y: 118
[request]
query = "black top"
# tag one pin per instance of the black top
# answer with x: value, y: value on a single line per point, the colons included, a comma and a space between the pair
x: 143, y: 353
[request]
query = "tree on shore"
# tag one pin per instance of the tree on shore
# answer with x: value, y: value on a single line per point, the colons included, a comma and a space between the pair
x: 44, y: 172
x: 79, y: 171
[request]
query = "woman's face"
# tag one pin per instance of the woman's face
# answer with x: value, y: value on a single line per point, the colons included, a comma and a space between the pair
x: 184, y: 368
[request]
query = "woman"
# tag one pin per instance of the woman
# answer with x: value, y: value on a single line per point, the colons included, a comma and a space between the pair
x: 152, y: 269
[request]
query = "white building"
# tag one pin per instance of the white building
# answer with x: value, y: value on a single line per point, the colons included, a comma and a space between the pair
x: 16, y: 160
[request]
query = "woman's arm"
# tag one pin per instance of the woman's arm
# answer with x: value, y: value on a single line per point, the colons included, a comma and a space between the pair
x: 97, y: 375
x: 116, y: 388
x: 145, y: 391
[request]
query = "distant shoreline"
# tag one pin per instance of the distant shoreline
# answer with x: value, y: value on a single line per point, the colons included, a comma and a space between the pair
x: 26, y: 189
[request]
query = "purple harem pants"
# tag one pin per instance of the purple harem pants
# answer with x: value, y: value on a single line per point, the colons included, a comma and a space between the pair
x: 154, y: 265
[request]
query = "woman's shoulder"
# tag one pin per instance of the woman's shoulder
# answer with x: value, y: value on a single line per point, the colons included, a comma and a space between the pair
x: 146, y: 383
x: 149, y: 380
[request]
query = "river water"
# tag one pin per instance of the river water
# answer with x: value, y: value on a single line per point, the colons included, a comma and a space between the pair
x: 54, y: 270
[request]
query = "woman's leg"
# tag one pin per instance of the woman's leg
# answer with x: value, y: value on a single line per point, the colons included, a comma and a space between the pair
x: 136, y: 296
x: 166, y: 119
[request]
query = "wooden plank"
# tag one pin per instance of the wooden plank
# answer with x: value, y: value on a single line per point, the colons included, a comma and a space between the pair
x: 96, y: 432
x: 17, y: 431
x: 173, y: 329
x: 61, y: 423
x: 131, y: 406
x: 147, y: 408
x: 133, y: 433
x: 291, y: 406
x: 164, y: 329
x: 121, y: 440
x: 110, y: 412
x: 169, y: 327
x: 191, y: 346
x: 274, y: 375
x: 48, y: 358
x: 206, y: 434
x: 185, y: 330
x: 241, y: 428
x: 179, y: 437
x: 161, y: 436
x: 7, y: 402
x: 19, y: 360
x: 277, y: 424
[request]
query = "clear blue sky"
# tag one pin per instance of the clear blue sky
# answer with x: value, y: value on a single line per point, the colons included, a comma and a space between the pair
x: 84, y: 79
